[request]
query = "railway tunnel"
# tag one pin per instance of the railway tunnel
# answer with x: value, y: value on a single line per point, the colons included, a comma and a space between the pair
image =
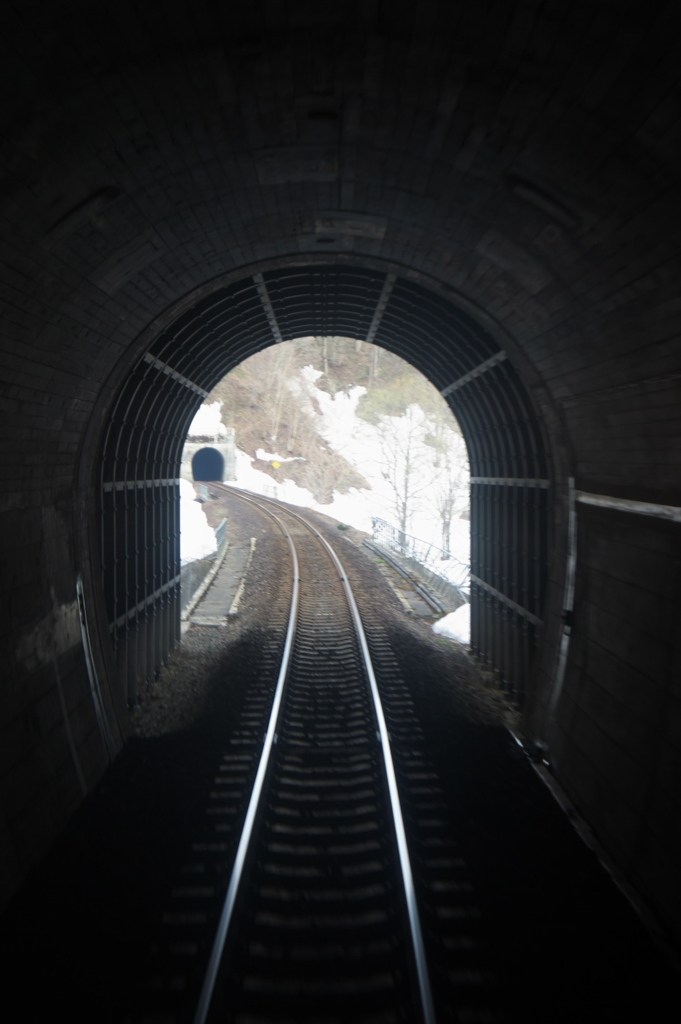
x: 208, y: 464
x: 491, y: 191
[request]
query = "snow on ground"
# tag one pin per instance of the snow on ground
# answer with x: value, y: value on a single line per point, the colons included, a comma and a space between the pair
x: 455, y: 568
x: 251, y: 479
x: 207, y: 422
x: 197, y: 538
x: 359, y: 442
x: 456, y: 625
x: 260, y: 453
x: 353, y: 508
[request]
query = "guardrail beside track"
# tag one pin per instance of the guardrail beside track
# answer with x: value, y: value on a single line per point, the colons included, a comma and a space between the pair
x: 320, y: 920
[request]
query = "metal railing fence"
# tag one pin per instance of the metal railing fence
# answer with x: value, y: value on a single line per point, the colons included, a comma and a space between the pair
x: 441, y: 563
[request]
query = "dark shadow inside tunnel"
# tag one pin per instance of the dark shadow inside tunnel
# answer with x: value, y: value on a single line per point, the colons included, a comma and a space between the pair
x: 490, y: 190
x: 208, y: 464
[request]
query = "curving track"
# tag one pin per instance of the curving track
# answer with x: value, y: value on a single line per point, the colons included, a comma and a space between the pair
x: 321, y: 900
x: 348, y: 899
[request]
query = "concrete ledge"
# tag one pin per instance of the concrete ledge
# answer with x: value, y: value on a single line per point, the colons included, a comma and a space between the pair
x: 201, y: 590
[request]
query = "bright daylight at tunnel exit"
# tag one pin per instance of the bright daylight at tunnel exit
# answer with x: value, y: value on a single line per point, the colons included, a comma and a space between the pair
x: 348, y: 429
x: 340, y: 382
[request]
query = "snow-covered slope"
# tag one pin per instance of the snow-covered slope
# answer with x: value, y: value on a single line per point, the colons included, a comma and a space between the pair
x: 363, y: 444
x: 197, y: 538
x: 418, y: 452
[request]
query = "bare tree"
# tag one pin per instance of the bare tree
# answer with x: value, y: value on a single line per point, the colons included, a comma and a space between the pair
x: 269, y: 376
x: 321, y: 477
x: 324, y: 342
x: 375, y: 357
x: 406, y: 462
x: 450, y: 488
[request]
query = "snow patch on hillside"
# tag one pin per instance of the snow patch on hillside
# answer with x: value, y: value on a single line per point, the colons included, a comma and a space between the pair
x: 207, y: 422
x: 264, y: 456
x: 360, y: 443
x: 364, y: 445
x: 197, y: 538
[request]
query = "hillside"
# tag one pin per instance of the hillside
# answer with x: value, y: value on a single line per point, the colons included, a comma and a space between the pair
x: 270, y: 400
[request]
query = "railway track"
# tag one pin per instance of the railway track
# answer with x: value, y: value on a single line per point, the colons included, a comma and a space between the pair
x: 322, y: 920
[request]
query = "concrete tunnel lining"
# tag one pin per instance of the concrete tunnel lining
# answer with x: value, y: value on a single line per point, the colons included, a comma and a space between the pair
x: 521, y: 160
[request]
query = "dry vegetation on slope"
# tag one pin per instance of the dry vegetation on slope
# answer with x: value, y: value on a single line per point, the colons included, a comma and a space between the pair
x: 265, y: 399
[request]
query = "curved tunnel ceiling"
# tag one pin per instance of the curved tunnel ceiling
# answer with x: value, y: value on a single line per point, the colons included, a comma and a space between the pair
x: 440, y: 339
x: 508, y: 457
x: 523, y: 156
x: 531, y: 167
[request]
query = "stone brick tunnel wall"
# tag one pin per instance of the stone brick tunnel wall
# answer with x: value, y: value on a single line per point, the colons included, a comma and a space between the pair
x: 521, y: 162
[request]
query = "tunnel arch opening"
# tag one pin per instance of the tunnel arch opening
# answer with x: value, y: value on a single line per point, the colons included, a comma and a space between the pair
x: 208, y: 464
x: 346, y: 427
x: 463, y: 358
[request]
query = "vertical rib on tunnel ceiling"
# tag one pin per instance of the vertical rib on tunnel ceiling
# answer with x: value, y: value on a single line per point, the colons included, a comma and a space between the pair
x: 143, y: 443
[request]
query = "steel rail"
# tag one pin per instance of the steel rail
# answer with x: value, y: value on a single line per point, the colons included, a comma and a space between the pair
x: 416, y: 932
x: 212, y: 970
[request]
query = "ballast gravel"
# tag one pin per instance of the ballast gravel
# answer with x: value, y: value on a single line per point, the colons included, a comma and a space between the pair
x: 179, y: 696
x: 566, y: 944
